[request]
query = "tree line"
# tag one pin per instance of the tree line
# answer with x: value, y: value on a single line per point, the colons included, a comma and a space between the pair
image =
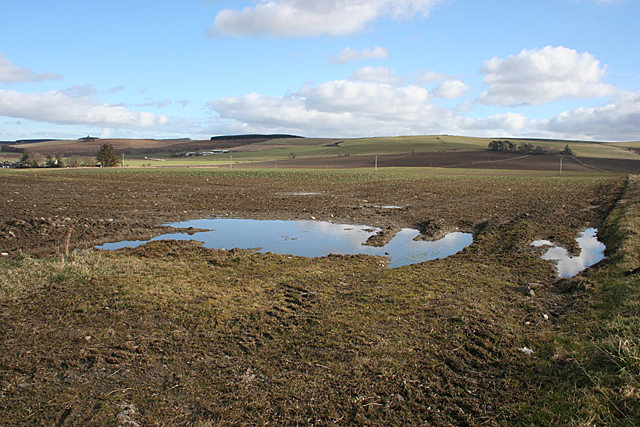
x: 106, y: 157
x: 507, y: 146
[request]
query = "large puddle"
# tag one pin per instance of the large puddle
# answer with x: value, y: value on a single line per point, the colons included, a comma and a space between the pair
x: 591, y: 252
x: 310, y: 239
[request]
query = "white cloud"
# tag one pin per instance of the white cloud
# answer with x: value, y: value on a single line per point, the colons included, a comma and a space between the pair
x: 345, y: 108
x: 451, y: 89
x: 80, y: 91
x: 383, y: 75
x: 349, y: 54
x: 9, y: 73
x: 512, y: 122
x: 543, y: 75
x: 291, y: 18
x: 618, y: 120
x: 62, y: 107
x: 368, y: 99
x: 424, y: 77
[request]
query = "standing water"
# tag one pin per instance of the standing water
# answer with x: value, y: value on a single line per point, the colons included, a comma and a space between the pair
x: 310, y: 239
x: 591, y: 252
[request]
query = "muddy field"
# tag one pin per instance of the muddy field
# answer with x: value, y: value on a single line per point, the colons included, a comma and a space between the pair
x: 58, y: 211
x: 174, y: 334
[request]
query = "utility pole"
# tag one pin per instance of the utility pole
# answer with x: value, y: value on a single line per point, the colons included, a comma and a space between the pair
x: 561, y: 165
x: 122, y: 159
x: 376, y: 163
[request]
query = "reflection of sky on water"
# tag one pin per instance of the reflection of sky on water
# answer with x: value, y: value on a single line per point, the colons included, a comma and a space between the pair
x: 591, y: 252
x: 310, y: 239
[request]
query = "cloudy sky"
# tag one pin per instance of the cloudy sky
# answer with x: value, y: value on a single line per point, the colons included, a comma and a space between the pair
x: 331, y: 68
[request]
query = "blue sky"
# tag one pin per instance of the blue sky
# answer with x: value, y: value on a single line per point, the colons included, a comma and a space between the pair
x: 335, y: 68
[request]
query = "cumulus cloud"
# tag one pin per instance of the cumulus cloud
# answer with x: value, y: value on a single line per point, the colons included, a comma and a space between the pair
x: 543, y: 75
x: 9, y: 73
x: 337, y: 107
x: 345, y: 108
x: 62, y: 107
x: 451, y: 89
x: 383, y: 75
x: 512, y: 122
x: 368, y: 99
x: 292, y: 18
x: 353, y: 108
x: 617, y: 120
x: 349, y: 54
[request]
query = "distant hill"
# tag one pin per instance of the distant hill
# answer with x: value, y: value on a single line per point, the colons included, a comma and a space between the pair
x: 278, y: 146
x: 32, y: 141
x: 253, y: 136
x: 88, y: 146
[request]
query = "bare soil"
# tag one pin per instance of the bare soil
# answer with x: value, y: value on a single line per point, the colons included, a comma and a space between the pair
x: 171, y: 333
x: 58, y: 211
x: 472, y: 159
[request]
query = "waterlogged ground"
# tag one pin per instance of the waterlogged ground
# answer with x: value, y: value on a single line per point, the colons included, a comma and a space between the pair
x: 312, y: 239
x: 43, y: 210
x: 591, y: 252
x: 172, y: 333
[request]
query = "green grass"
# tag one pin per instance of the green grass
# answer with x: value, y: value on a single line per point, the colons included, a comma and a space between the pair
x: 591, y: 366
x: 633, y: 144
x: 607, y: 151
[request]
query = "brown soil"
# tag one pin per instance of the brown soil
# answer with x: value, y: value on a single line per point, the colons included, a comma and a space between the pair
x: 175, y: 334
x: 481, y: 159
x: 58, y: 211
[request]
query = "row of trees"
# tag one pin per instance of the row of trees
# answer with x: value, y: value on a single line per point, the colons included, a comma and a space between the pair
x: 30, y: 161
x: 107, y: 157
x: 528, y: 148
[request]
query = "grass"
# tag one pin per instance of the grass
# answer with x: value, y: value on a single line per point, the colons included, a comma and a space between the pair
x: 633, y: 144
x: 27, y: 275
x: 286, y: 339
x: 608, y: 151
x: 595, y: 357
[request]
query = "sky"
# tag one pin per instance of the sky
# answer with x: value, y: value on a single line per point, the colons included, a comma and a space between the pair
x: 567, y: 69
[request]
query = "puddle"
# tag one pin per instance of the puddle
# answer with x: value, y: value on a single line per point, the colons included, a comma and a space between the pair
x: 591, y: 252
x: 310, y: 239
x: 389, y: 207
